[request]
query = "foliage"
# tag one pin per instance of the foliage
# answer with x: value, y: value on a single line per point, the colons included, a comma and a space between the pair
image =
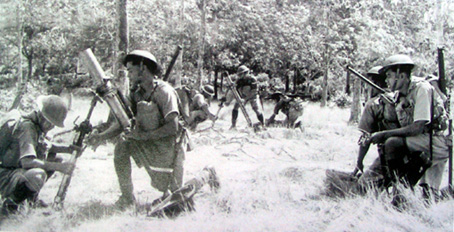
x: 342, y: 100
x: 281, y: 38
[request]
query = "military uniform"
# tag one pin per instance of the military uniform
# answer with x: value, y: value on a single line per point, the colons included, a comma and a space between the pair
x: 416, y: 106
x: 377, y: 115
x: 292, y: 108
x: 21, y: 138
x: 247, y: 89
x: 165, y: 155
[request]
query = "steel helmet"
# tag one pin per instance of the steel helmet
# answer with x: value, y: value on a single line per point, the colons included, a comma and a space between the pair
x: 141, y: 55
x: 242, y: 69
x: 208, y: 89
x: 395, y: 60
x: 53, y: 108
x: 374, y: 70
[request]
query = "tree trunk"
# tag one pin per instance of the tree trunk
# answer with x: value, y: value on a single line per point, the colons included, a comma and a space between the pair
x: 355, y: 110
x: 202, y: 44
x: 287, y: 84
x: 347, y: 85
x: 295, y: 77
x: 123, y: 46
x: 215, y: 83
x: 178, y: 67
x: 21, y: 87
x: 325, y: 77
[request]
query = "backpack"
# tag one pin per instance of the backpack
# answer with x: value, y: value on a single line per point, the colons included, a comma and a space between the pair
x: 8, y: 122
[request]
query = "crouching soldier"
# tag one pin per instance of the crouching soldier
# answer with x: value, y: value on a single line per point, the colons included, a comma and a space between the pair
x: 423, y: 119
x: 292, y: 107
x: 24, y: 167
x: 379, y: 114
x: 197, y: 105
x: 157, y: 140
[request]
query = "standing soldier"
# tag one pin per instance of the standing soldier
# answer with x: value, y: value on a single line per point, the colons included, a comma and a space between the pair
x: 24, y: 167
x: 246, y: 86
x: 157, y: 139
x: 422, y: 119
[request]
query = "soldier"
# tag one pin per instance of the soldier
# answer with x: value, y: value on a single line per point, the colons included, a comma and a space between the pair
x: 157, y: 141
x: 422, y: 119
x: 24, y: 167
x: 378, y: 114
x: 292, y: 107
x: 198, y: 107
x: 246, y: 86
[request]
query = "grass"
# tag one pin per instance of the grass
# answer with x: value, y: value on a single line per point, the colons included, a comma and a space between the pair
x: 270, y: 181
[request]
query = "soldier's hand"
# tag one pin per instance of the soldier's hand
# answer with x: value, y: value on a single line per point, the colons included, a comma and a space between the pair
x: 94, y: 140
x: 133, y: 135
x: 67, y: 167
x: 378, y: 137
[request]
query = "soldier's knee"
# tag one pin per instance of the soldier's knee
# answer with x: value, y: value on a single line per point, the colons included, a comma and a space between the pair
x: 393, y: 143
x: 35, y: 179
x: 121, y: 150
x: 394, y: 148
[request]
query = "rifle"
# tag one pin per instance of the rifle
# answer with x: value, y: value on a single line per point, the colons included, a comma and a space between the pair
x: 172, y: 63
x: 232, y: 88
x: 83, y: 128
x: 373, y: 85
x: 441, y: 75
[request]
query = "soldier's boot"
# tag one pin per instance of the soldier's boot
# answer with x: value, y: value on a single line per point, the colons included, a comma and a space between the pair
x: 261, y: 119
x: 213, y: 180
x: 429, y: 194
x: 234, y: 118
x: 19, y: 195
x: 9, y: 207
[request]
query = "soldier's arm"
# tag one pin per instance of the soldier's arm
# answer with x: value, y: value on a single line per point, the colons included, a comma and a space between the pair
x: 364, y: 145
x: 207, y: 111
x: 32, y: 162
x: 413, y: 129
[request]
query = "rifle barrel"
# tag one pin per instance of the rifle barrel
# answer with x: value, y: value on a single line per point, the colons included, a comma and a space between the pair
x: 363, y: 78
x: 172, y: 63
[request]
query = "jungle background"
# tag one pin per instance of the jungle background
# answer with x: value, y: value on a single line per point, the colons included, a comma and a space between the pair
x: 270, y: 180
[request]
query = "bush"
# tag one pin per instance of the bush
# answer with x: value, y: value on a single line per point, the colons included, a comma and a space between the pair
x: 342, y: 100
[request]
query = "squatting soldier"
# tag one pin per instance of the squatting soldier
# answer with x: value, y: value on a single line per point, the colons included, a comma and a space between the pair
x: 422, y: 119
x: 24, y: 165
x: 198, y: 107
x: 378, y: 114
x: 292, y: 107
x: 157, y: 141
x: 246, y: 86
